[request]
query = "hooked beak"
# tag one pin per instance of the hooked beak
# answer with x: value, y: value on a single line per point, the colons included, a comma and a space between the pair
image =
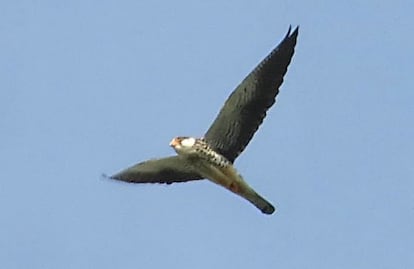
x: 174, y: 142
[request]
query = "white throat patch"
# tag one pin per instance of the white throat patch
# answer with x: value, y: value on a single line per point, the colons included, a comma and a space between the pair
x: 188, y: 142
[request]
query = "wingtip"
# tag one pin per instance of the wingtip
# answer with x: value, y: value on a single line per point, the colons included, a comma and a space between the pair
x: 117, y: 178
x: 295, y: 32
x: 106, y: 176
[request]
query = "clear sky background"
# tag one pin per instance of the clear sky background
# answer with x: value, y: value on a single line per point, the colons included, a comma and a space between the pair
x: 91, y: 87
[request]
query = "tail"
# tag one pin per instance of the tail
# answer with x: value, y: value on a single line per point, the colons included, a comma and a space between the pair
x: 253, y: 197
x: 261, y: 203
x: 234, y: 182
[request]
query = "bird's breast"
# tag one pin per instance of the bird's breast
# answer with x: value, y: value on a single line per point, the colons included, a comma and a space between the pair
x: 204, y: 151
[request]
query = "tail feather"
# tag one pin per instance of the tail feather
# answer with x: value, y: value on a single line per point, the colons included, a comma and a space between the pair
x: 261, y: 203
x: 233, y: 181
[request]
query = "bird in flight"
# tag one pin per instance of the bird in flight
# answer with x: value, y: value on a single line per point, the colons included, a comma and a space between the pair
x: 212, y: 156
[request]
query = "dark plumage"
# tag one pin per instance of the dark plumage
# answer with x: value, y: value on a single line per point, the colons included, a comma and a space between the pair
x: 246, y: 107
x: 165, y: 170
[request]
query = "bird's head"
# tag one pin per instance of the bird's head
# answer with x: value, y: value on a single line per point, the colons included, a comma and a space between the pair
x: 183, y: 144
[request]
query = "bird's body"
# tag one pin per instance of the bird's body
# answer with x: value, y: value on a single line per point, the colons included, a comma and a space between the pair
x: 212, y: 156
x: 215, y: 167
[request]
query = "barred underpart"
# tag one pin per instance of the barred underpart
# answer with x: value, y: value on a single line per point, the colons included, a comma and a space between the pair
x: 208, y: 154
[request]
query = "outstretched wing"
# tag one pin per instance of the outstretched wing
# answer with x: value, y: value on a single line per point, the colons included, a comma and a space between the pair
x: 246, y: 107
x: 166, y: 170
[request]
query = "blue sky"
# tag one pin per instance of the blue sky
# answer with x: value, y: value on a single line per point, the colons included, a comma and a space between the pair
x: 91, y: 87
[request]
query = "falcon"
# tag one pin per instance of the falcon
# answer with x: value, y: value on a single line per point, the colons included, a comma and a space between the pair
x: 212, y: 156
